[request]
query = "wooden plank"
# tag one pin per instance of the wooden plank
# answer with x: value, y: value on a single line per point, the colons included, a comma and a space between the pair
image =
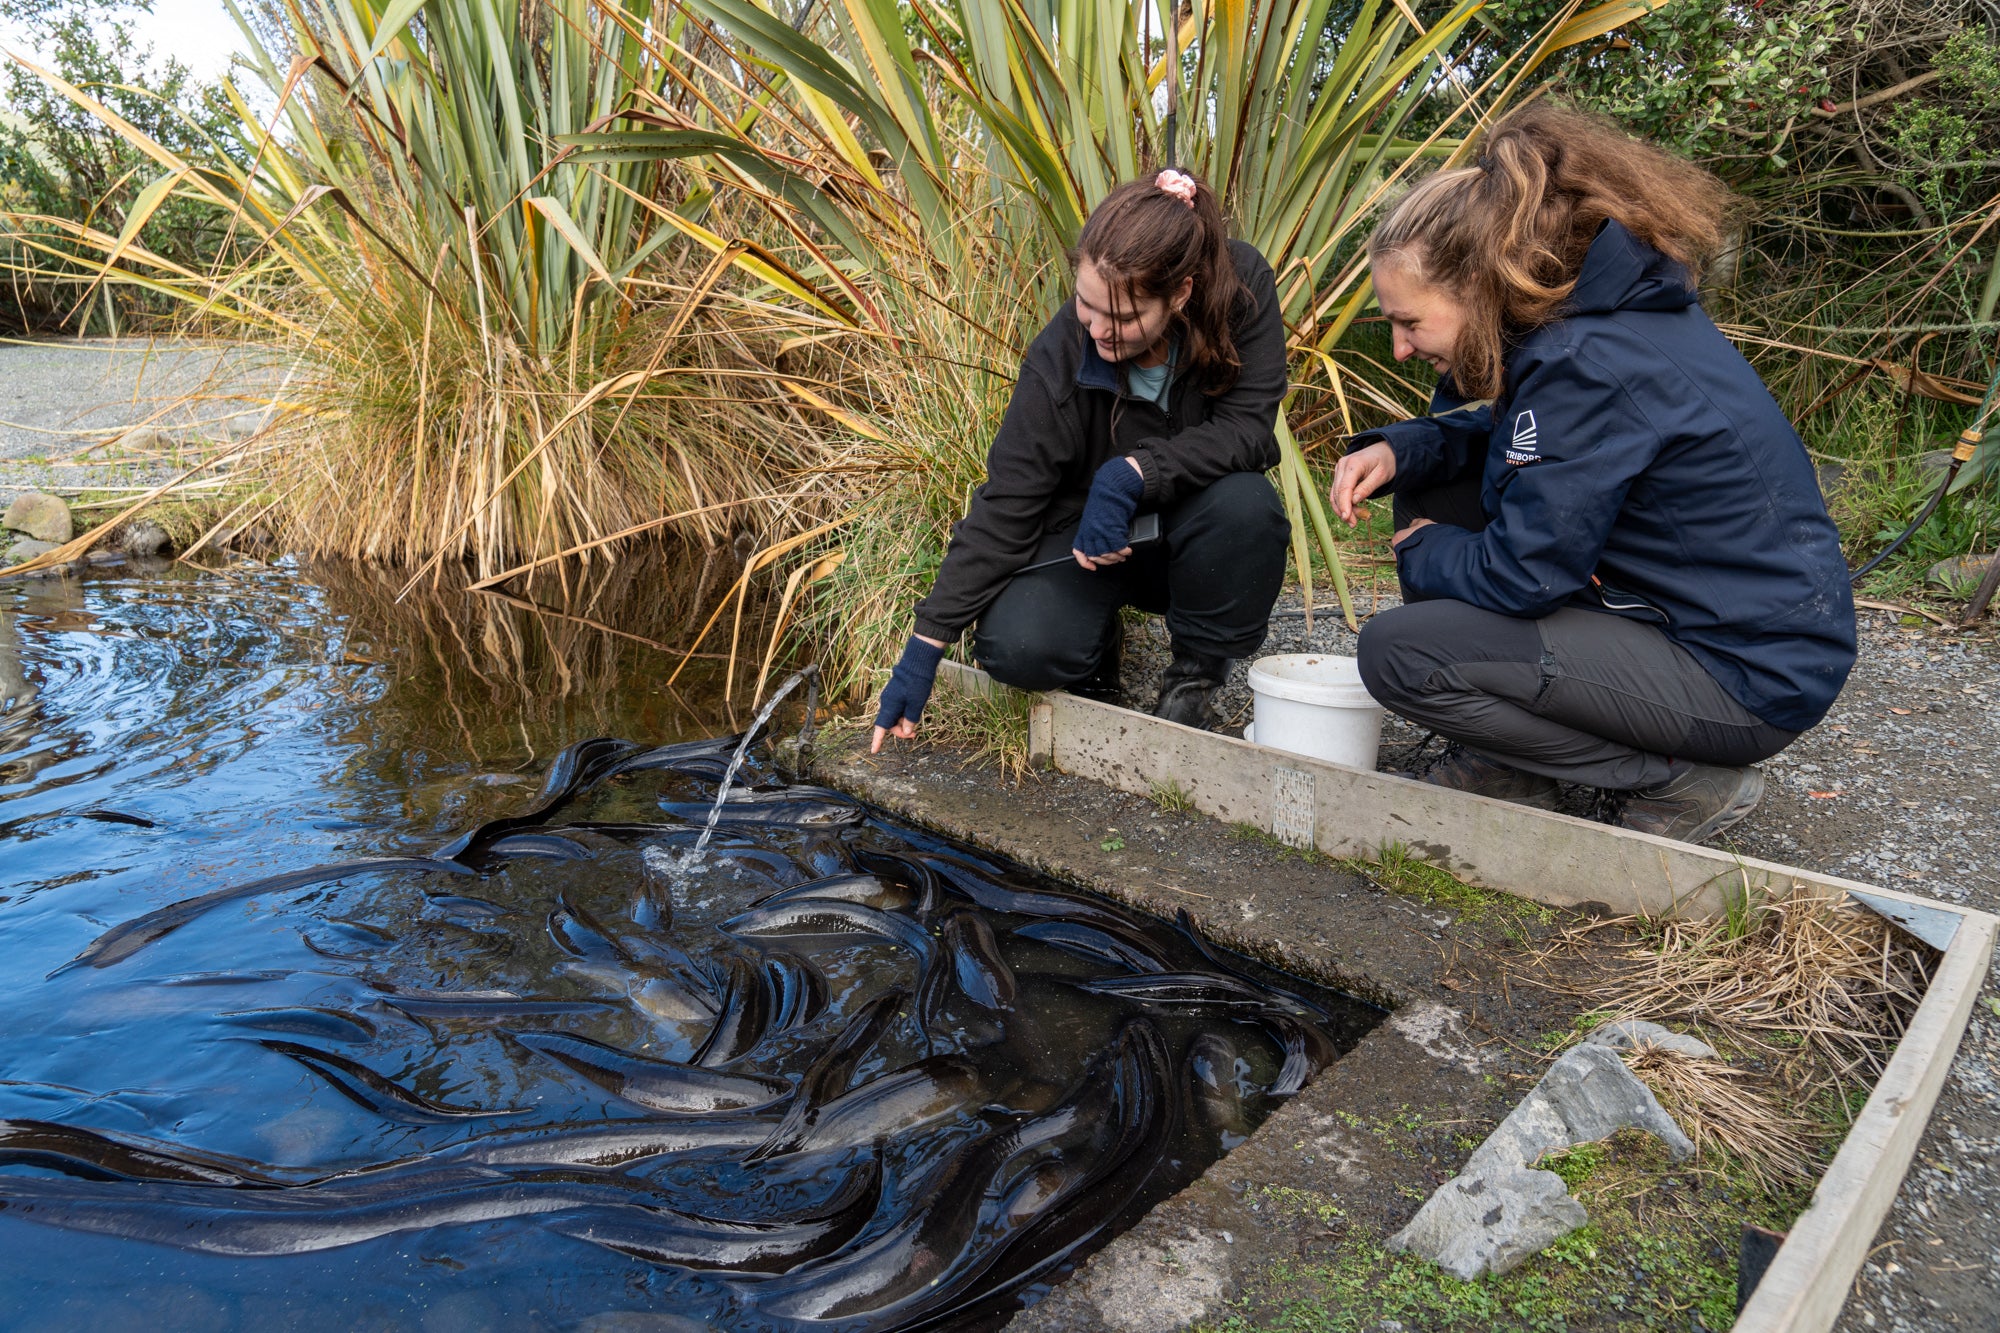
x: 1808, y: 1282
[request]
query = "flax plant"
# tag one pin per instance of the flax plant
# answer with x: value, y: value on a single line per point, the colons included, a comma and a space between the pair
x: 937, y: 159
x: 494, y: 350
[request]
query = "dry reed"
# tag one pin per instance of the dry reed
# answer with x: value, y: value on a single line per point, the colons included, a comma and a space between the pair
x: 1807, y: 976
x: 1722, y: 1107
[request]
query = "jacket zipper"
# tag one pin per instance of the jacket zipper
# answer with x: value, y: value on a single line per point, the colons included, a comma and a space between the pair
x: 1613, y: 600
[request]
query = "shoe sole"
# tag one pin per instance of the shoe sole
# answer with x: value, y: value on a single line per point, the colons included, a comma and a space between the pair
x: 1748, y: 793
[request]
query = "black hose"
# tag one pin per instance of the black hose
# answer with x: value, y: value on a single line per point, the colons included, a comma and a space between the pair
x: 1967, y: 442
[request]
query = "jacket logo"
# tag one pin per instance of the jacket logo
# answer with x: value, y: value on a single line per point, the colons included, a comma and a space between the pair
x: 1523, y: 448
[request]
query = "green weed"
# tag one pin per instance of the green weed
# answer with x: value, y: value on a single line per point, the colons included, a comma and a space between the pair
x: 1171, y: 797
x: 1241, y: 832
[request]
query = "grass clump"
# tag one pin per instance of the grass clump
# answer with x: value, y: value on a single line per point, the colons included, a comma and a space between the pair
x: 1821, y: 987
x: 1171, y: 797
x: 993, y: 727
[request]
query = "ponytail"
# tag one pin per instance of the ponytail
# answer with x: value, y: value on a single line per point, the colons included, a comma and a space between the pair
x: 1146, y: 239
x: 1507, y: 236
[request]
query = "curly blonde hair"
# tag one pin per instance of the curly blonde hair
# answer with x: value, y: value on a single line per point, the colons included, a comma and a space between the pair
x: 1507, y: 237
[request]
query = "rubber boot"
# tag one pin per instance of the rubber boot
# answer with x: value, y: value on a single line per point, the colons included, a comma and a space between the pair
x: 1188, y: 686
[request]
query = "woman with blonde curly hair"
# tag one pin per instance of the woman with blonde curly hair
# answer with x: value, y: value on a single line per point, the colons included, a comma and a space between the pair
x: 1617, y: 567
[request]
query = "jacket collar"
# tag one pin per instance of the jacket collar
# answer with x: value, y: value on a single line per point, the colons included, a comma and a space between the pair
x: 1621, y: 272
x: 1094, y: 372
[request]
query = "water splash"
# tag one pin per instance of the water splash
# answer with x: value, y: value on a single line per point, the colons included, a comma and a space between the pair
x: 674, y: 868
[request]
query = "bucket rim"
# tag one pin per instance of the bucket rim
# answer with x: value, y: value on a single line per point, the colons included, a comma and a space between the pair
x: 1331, y: 694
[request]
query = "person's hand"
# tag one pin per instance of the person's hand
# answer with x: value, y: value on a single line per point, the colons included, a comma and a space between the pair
x: 1103, y: 537
x: 1101, y: 561
x: 1415, y: 523
x: 908, y: 690
x: 1359, y: 475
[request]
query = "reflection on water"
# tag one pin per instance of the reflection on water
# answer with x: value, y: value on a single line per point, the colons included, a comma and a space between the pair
x: 841, y: 1074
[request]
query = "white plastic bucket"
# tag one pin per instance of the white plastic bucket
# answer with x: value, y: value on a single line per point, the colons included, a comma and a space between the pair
x: 1315, y: 704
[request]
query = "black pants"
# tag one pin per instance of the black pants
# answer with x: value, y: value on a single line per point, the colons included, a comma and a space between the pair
x: 1213, y: 574
x: 1580, y: 695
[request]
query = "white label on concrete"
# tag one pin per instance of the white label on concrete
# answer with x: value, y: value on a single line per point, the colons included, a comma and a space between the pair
x: 1292, y: 802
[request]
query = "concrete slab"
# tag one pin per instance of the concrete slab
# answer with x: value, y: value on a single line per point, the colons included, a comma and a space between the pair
x: 1574, y: 863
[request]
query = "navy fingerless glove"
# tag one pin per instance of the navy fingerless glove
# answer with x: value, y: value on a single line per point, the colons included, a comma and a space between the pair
x: 1107, y: 514
x: 909, y: 687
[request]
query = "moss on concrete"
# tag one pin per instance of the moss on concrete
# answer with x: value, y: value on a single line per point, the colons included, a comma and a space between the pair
x: 1659, y: 1252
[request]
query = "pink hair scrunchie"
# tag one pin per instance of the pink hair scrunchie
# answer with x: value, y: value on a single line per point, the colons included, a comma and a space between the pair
x: 1176, y: 183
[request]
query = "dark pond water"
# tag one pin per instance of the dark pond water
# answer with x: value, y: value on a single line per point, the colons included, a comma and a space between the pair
x: 543, y: 1067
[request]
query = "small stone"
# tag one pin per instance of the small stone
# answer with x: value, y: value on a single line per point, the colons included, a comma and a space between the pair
x: 1500, y: 1209
x: 247, y: 424
x: 1831, y: 477
x: 1634, y: 1032
x: 1960, y: 575
x: 27, y: 548
x: 1934, y: 460
x: 43, y: 517
x: 144, y: 437
x: 143, y: 537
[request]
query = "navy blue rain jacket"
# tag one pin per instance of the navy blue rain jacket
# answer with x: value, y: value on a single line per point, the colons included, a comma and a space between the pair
x: 1634, y: 463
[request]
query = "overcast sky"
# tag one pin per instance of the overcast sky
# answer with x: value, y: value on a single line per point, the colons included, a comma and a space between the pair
x: 198, y: 33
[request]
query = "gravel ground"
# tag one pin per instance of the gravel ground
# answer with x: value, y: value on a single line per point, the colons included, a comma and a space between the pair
x: 60, y: 396
x: 1899, y: 786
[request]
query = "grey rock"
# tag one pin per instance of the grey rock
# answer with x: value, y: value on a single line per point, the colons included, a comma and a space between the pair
x: 246, y: 424
x: 143, y: 537
x: 1500, y: 1209
x: 1587, y: 1095
x: 1491, y: 1222
x: 1934, y: 460
x: 1635, y: 1032
x: 1960, y: 575
x: 144, y: 437
x: 27, y: 548
x: 43, y: 517
x: 1832, y: 476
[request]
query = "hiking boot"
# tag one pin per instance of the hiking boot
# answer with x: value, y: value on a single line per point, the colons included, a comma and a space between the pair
x: 1461, y: 769
x: 1187, y: 689
x: 1102, y: 684
x: 1695, y: 806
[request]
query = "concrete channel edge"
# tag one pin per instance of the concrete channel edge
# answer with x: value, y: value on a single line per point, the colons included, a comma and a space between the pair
x: 1574, y: 863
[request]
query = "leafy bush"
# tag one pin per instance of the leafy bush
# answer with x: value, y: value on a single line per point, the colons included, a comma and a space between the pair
x: 60, y: 161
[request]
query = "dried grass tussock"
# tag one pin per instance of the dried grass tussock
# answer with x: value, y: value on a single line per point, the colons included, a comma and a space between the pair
x: 1719, y: 1106
x: 1813, y: 991
x: 1807, y: 975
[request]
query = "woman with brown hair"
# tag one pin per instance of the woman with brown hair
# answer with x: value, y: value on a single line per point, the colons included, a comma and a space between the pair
x: 1617, y: 568
x: 1155, y: 391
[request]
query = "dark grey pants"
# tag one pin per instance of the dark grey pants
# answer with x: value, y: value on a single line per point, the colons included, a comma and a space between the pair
x: 1581, y: 696
x: 1213, y: 574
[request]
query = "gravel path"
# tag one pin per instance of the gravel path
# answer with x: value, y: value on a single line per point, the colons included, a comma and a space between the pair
x: 1899, y: 786
x: 59, y: 396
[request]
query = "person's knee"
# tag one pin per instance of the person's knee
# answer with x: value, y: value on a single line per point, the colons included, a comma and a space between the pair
x: 1244, y: 507
x: 1401, y: 649
x: 1384, y: 658
x: 1027, y: 657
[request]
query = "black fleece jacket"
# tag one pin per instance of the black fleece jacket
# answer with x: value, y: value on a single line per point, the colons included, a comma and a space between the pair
x: 1070, y: 412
